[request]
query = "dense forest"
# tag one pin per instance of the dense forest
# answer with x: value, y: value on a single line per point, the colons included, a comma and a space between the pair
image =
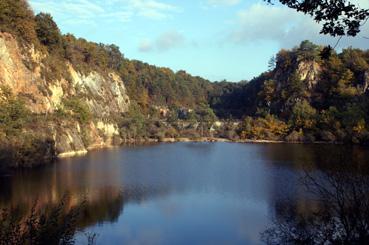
x: 310, y: 93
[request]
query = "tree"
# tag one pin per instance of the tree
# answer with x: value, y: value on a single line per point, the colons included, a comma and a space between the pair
x: 268, y: 92
x: 339, y: 17
x: 48, y: 32
x: 78, y: 109
x: 340, y: 210
x: 115, y: 56
x: 303, y: 115
x: 17, y: 18
x: 14, y: 114
x: 206, y: 114
x: 308, y: 51
x: 272, y: 63
x: 344, y: 85
x: 263, y: 128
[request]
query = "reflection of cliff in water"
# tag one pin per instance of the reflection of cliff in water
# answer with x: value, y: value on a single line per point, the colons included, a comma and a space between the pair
x: 333, y: 210
x: 102, y: 193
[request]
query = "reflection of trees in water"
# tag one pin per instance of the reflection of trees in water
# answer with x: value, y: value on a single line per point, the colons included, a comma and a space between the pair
x: 338, y: 211
x: 41, y: 215
x: 102, y: 188
x: 49, y: 222
x: 53, y: 224
x: 313, y: 156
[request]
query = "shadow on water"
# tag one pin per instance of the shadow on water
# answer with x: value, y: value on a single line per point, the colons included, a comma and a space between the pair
x: 336, y: 210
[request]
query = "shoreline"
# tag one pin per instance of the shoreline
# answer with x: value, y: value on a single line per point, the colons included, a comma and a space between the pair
x: 186, y: 139
x: 249, y: 141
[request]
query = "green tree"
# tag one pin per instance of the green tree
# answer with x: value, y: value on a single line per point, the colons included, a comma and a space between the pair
x: 48, y: 32
x: 345, y: 88
x: 308, y: 51
x: 206, y: 114
x: 268, y: 92
x: 14, y: 114
x: 78, y: 109
x: 303, y: 115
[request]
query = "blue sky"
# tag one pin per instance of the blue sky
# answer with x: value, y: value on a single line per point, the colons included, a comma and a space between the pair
x: 215, y: 39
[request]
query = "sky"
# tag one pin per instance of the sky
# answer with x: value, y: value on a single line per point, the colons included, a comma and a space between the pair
x: 215, y: 39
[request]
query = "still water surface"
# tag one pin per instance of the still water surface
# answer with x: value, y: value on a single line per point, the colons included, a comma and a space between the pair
x: 183, y: 193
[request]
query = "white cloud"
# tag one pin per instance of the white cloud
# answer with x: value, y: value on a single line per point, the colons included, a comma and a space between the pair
x: 164, y: 42
x: 145, y: 46
x: 82, y: 9
x: 262, y: 22
x: 92, y: 11
x: 152, y: 9
x: 223, y: 2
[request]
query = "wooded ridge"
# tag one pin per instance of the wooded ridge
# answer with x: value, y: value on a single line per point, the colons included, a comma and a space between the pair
x: 62, y: 95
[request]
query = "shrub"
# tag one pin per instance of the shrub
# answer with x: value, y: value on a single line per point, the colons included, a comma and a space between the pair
x: 263, y: 128
x: 295, y: 136
x: 78, y: 109
x: 14, y: 115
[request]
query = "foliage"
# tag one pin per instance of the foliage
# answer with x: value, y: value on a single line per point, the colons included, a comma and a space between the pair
x: 133, y: 125
x: 323, y: 99
x: 263, y: 128
x: 339, y: 214
x: 205, y: 114
x: 48, y: 32
x: 268, y: 92
x: 308, y: 51
x: 303, y: 115
x: 55, y: 224
x: 78, y: 109
x: 13, y: 113
x: 16, y: 17
x: 148, y: 84
x: 88, y: 56
x: 304, y: 90
x: 339, y: 17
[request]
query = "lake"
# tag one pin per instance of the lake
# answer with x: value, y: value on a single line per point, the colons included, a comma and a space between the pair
x: 200, y: 193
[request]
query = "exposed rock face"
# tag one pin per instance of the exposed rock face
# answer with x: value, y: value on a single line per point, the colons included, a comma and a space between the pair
x: 105, y: 96
x: 14, y: 74
x: 69, y: 141
x: 309, y: 72
x: 365, y: 86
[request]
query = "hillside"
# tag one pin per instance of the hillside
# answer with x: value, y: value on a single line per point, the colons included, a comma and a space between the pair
x: 315, y: 94
x: 61, y: 95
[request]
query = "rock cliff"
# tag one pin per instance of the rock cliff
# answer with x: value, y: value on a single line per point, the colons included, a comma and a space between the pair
x: 104, y: 94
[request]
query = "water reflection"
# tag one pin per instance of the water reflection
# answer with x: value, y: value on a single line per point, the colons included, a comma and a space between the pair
x: 336, y: 211
x: 230, y: 192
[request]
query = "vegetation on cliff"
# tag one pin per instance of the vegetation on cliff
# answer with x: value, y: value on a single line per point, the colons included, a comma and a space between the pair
x: 319, y: 98
x: 19, y: 146
x: 310, y: 93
